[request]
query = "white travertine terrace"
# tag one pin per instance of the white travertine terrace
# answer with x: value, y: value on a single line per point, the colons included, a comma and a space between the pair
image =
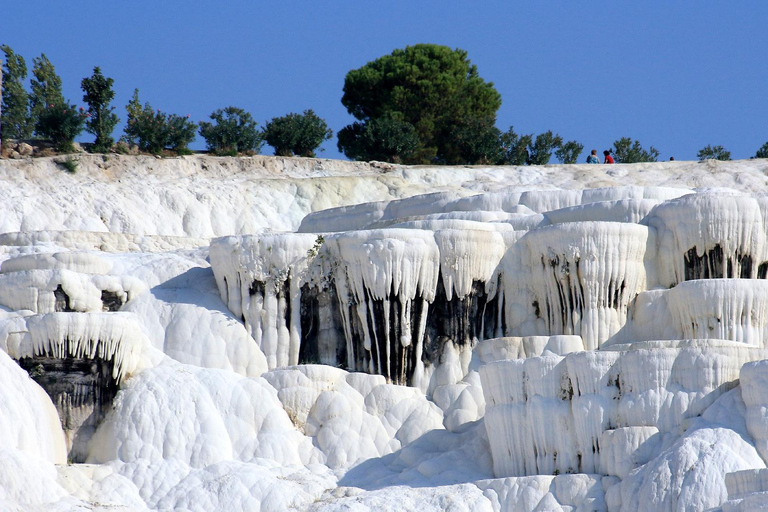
x: 276, y: 334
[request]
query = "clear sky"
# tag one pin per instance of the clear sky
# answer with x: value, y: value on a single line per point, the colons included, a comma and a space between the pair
x: 674, y: 74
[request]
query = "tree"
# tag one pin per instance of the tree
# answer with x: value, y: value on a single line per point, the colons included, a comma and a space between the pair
x: 16, y: 120
x: 102, y: 121
x: 627, y: 151
x: 385, y: 139
x: 46, y: 89
x: 145, y: 127
x: 153, y: 130
x: 540, y: 150
x: 431, y: 87
x: 713, y: 153
x: 61, y: 123
x: 515, y: 147
x: 569, y: 152
x: 180, y: 132
x: 478, y: 142
x: 297, y: 134
x: 762, y: 152
x: 235, y: 132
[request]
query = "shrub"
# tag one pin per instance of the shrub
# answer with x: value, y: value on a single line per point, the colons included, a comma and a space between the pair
x: 61, y: 123
x: 386, y: 139
x: 515, y: 147
x: 540, y: 150
x: 297, y: 134
x: 69, y: 165
x: 153, y: 130
x: 98, y: 95
x: 180, y: 132
x: 235, y: 132
x: 627, y: 151
x: 713, y: 153
x: 569, y: 152
x: 762, y: 152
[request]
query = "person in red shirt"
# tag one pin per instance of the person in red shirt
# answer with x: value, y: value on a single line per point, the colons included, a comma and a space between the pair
x: 608, y: 157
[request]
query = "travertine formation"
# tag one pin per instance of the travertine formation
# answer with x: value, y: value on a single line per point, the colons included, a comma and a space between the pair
x: 498, y: 343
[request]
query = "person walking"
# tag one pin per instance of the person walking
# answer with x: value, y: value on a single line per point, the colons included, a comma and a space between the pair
x: 608, y: 157
x: 592, y: 158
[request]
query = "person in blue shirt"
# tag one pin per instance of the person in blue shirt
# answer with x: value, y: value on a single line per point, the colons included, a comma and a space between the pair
x: 592, y: 158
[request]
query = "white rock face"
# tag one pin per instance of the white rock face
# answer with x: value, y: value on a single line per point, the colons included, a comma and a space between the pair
x: 273, y: 334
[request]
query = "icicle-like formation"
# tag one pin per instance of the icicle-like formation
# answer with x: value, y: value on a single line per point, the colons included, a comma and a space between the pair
x: 555, y: 412
x: 581, y: 280
x: 381, y: 263
x: 385, y: 280
x: 706, y: 236
x: 113, y: 337
x: 466, y: 257
x: 732, y: 309
x: 260, y: 278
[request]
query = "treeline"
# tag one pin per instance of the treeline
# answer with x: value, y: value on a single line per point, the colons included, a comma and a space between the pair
x: 43, y: 112
x: 425, y: 104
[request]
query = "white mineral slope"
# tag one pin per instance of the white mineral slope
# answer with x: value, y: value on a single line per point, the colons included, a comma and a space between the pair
x: 646, y: 423
x: 28, y: 420
x: 177, y: 429
x: 203, y: 196
x: 691, y: 473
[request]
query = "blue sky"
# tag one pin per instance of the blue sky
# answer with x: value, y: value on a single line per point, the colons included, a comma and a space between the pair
x: 675, y: 75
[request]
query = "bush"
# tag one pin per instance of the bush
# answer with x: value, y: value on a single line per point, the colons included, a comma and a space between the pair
x: 386, y: 139
x: 235, y: 132
x: 627, y: 151
x: 762, y: 152
x: 540, y: 150
x: 61, y: 123
x: 69, y: 165
x: 180, y: 132
x: 713, y: 153
x: 569, y: 152
x: 153, y: 130
x: 515, y: 147
x: 297, y: 134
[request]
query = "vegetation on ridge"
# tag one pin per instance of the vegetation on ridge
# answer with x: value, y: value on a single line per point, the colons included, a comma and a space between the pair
x: 423, y: 104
